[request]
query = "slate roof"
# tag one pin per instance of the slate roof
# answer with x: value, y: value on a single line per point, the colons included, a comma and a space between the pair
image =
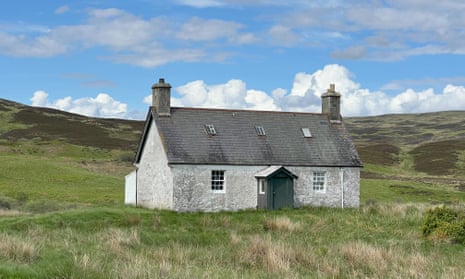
x: 236, y: 142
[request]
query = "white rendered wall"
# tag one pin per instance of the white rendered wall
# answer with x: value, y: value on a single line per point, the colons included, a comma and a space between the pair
x: 192, y: 188
x: 154, y: 180
x: 337, y: 180
x: 130, y: 188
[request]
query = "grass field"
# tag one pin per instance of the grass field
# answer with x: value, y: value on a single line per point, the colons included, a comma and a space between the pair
x: 61, y: 212
x: 375, y: 241
x: 67, y: 220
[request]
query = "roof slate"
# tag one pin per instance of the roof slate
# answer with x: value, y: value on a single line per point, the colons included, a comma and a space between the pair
x: 236, y: 142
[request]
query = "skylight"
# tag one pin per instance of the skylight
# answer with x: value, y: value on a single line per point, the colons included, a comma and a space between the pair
x: 260, y: 130
x: 210, y: 128
x: 306, y: 132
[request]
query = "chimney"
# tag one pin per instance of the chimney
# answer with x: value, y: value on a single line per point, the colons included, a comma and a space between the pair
x: 331, y: 104
x: 161, y: 96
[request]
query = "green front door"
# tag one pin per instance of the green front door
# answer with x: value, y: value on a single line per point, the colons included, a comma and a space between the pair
x: 282, y: 192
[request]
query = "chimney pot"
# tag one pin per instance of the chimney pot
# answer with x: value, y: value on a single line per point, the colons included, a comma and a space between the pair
x: 332, y: 87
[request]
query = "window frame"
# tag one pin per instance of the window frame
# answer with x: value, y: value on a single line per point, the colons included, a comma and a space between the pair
x: 319, y: 181
x: 306, y: 132
x: 218, y: 181
x: 260, y: 131
x: 210, y: 129
x: 261, y: 186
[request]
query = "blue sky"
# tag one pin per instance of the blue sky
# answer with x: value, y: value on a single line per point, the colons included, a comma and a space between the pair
x: 100, y: 58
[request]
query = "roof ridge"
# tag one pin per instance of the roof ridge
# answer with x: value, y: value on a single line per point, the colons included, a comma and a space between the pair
x: 246, y: 110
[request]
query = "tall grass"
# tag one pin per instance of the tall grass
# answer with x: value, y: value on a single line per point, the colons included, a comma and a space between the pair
x: 375, y: 241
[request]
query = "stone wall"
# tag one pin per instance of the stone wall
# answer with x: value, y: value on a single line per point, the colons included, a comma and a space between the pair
x: 154, y: 179
x: 192, y: 190
x: 332, y: 196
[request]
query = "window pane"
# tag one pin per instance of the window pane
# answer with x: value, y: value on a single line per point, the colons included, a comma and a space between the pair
x: 260, y: 130
x: 318, y: 181
x: 210, y: 129
x: 217, y: 180
x: 306, y: 132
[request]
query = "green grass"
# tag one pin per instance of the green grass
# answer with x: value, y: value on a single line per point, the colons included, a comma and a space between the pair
x: 392, y: 191
x: 377, y: 241
x: 37, y: 178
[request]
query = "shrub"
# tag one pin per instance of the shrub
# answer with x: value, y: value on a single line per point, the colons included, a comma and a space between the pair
x: 443, y: 223
x: 126, y: 157
x: 7, y: 203
x: 42, y: 206
x: 21, y: 197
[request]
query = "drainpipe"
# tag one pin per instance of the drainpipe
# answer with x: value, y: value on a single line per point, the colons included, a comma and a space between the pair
x: 341, y: 174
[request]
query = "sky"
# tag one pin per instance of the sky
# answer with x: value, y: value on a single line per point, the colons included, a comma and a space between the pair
x: 100, y: 58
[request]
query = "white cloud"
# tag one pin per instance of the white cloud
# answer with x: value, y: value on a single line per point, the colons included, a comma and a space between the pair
x: 305, y: 95
x: 198, y: 29
x: 232, y: 94
x: 62, y: 10
x: 283, y: 35
x: 372, y: 30
x: 39, y: 99
x: 406, y: 28
x: 101, y: 106
x: 131, y: 39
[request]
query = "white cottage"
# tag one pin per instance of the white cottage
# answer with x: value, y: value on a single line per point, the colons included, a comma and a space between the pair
x: 193, y: 159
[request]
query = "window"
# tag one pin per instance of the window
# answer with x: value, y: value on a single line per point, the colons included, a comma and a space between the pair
x: 261, y: 186
x: 306, y: 132
x: 210, y: 128
x: 319, y: 181
x: 260, y: 130
x: 218, y: 180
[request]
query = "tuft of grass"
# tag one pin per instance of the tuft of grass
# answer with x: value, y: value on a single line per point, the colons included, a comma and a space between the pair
x: 262, y: 252
x: 133, y: 220
x: 281, y: 224
x: 17, y: 250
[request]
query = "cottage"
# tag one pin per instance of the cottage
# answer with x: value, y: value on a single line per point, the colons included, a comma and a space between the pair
x: 194, y: 159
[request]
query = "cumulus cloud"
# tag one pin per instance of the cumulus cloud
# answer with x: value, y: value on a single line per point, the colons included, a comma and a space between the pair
x: 101, y: 106
x: 232, y: 94
x: 305, y: 96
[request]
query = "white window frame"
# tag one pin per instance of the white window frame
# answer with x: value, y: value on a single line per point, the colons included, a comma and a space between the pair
x: 319, y: 181
x: 261, y: 186
x: 306, y: 132
x: 218, y: 181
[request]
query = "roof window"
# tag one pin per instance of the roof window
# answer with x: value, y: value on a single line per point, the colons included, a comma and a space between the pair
x: 260, y: 130
x: 210, y: 128
x: 306, y: 132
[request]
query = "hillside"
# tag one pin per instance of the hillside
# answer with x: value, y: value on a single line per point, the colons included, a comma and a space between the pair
x: 430, y: 143
x: 24, y: 123
x: 62, y: 212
